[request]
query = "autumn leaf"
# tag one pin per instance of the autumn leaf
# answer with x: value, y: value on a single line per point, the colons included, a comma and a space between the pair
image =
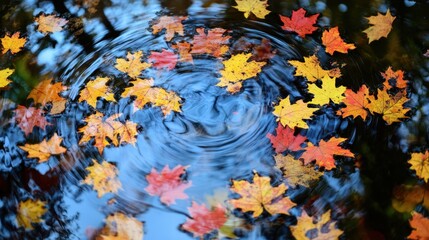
x: 299, y: 23
x: 381, y: 26
x: 260, y: 195
x: 213, y: 42
x: 95, y: 89
x: 312, y: 70
x: 28, y: 118
x: 420, y: 226
x: 324, y: 227
x: 121, y: 227
x: 133, y: 65
x: 184, y: 49
x: 29, y: 212
x: 420, y: 163
x: 332, y: 40
x: 238, y: 69
x: 103, y: 178
x: 46, y: 92
x: 285, y: 139
x: 394, y: 79
x: 356, y: 103
x: 257, y: 7
x: 324, y: 153
x: 328, y: 92
x: 45, y: 149
x: 50, y: 23
x: 263, y: 51
x: 13, y: 43
x: 295, y: 172
x: 204, y: 220
x: 390, y: 107
x: 407, y: 197
x: 4, y: 74
x: 164, y: 59
x: 167, y: 184
x: 293, y: 115
x: 171, y: 24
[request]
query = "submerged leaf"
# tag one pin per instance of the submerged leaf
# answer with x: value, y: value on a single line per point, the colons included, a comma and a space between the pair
x: 213, y: 43
x: 50, y: 23
x: 295, y: 172
x: 28, y: 118
x: 121, y: 227
x: 103, y: 178
x: 171, y: 24
x: 203, y: 220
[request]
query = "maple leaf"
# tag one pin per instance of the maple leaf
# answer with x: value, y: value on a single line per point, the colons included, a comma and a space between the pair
x: 285, y: 139
x: 238, y: 69
x: 13, y: 43
x: 262, y: 51
x: 29, y: 212
x: 324, y: 152
x: 333, y: 42
x: 312, y: 70
x: 390, y: 107
x: 28, y: 118
x: 328, y: 92
x: 407, y: 197
x: 293, y: 115
x: 299, y: 23
x: 45, y: 149
x: 133, y: 65
x: 305, y: 223
x: 356, y: 103
x: 260, y: 195
x: 167, y: 184
x: 213, y: 43
x: 396, y: 76
x: 420, y: 163
x: 203, y: 220
x: 295, y: 172
x: 46, y: 92
x: 50, y: 23
x: 420, y: 226
x: 257, y: 7
x: 127, y: 132
x: 164, y: 59
x: 382, y: 24
x: 95, y: 89
x: 4, y: 74
x: 103, y: 177
x: 184, y: 49
x: 172, y: 24
x: 121, y: 227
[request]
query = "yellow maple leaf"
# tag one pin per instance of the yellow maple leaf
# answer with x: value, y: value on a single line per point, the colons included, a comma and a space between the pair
x: 133, y: 65
x: 390, y: 107
x: 260, y: 195
x: 312, y: 70
x: 295, y: 172
x: 50, y: 23
x: 238, y: 69
x: 30, y: 211
x: 328, y: 92
x: 382, y: 24
x: 293, y: 115
x: 172, y: 25
x: 103, y: 178
x: 95, y: 89
x: 257, y: 7
x: 420, y: 163
x: 46, y: 92
x: 305, y: 223
x: 13, y: 43
x: 45, y: 149
x: 127, y: 132
x: 121, y: 227
x: 4, y: 74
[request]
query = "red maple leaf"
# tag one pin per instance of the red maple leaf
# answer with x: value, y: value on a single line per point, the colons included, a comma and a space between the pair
x: 164, y: 59
x: 167, y: 184
x: 285, y: 139
x: 203, y: 220
x: 28, y: 118
x: 299, y: 23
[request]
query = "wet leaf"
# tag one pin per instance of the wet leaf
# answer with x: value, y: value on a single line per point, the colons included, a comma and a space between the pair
x: 260, y: 195
x: 394, y: 79
x: 257, y: 7
x: 299, y: 23
x: 13, y: 43
x: 28, y: 118
x: 133, y: 65
x: 103, y: 178
x: 263, y: 51
x: 171, y: 24
x: 121, y: 227
x: 295, y: 172
x: 324, y: 152
x: 390, y: 107
x: 184, y: 49
x: 204, y: 220
x: 29, y: 212
x: 164, y: 59
x: 420, y: 163
x: 356, y: 103
x: 96, y: 89
x: 381, y: 26
x: 333, y: 42
x: 407, y: 197
x: 46, y: 92
x: 306, y: 223
x: 328, y: 92
x: 44, y: 150
x: 4, y: 74
x: 293, y: 115
x: 285, y: 139
x: 312, y: 70
x: 213, y: 42
x: 50, y: 23
x: 167, y: 184
x: 420, y: 226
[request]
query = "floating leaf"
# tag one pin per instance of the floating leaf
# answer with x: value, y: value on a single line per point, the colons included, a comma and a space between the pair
x: 184, y: 49
x: 381, y: 26
x: 356, y: 103
x: 133, y: 65
x: 295, y: 172
x: 328, y: 92
x: 332, y: 40
x: 394, y: 79
x: 164, y: 59
x: 390, y: 107
x: 213, y: 42
x: 257, y: 7
x: 121, y: 227
x: 312, y: 70
x: 103, y: 178
x: 95, y: 89
x: 407, y: 197
x: 420, y: 163
x: 299, y: 23
x: 29, y: 212
x: 285, y: 139
x: 46, y: 92
x: 50, y: 23
x: 4, y: 74
x: 293, y: 115
x: 172, y: 24
x: 45, y: 149
x: 28, y: 118
x: 13, y: 43
x: 420, y: 226
x: 203, y: 220
x: 305, y: 224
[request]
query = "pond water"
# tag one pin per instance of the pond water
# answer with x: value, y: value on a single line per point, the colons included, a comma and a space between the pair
x: 220, y: 137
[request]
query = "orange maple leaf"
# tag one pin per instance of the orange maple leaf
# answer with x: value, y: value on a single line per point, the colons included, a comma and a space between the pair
x: 46, y: 92
x: 213, y: 42
x: 381, y: 26
x: 420, y: 226
x: 103, y: 178
x: 299, y: 23
x: 50, y: 23
x: 13, y: 43
x: 172, y: 25
x: 28, y: 118
x: 356, y: 103
x: 333, y: 42
x: 203, y: 220
x: 45, y: 149
x: 396, y: 76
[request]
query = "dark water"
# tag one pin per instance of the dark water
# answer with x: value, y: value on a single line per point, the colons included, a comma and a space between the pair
x: 218, y: 135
